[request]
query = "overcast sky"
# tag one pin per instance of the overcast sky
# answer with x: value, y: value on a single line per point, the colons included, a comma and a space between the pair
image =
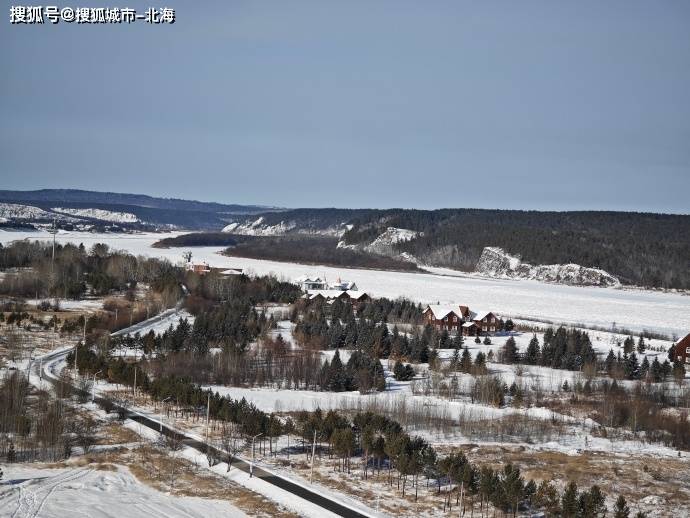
x: 532, y: 105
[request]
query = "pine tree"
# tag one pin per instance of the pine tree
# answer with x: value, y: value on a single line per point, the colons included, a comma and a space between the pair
x: 644, y: 368
x: 466, y: 361
x: 621, y: 509
x: 532, y: 354
x: 569, y: 501
x: 629, y: 345
x: 592, y: 503
x: 336, y: 374
x: 641, y: 346
x: 656, y: 370
x: 632, y: 367
x: 510, y: 351
x: 610, y: 362
x: 480, y: 362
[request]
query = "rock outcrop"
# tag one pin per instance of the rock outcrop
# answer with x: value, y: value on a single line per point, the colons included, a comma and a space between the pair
x: 496, y: 262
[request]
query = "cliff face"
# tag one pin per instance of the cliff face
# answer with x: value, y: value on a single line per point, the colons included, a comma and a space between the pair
x: 260, y: 227
x: 496, y: 262
x: 384, y: 243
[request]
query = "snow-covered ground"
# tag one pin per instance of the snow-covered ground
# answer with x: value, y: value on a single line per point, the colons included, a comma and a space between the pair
x: 71, y: 304
x: 83, y: 492
x: 633, y: 309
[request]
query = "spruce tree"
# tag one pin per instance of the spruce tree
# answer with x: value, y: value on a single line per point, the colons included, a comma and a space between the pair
x: 532, y: 354
x: 633, y: 367
x: 610, y: 362
x: 656, y: 370
x: 629, y: 345
x: 510, y: 351
x: 466, y: 361
x: 644, y: 368
x: 641, y: 346
x: 480, y: 362
x: 336, y: 381
x: 569, y: 501
x: 592, y: 503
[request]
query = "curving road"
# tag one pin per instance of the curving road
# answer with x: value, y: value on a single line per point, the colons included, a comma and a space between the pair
x: 303, y: 492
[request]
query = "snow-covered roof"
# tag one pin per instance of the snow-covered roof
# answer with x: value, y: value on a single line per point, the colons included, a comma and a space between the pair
x: 469, y: 324
x: 231, y: 271
x: 326, y: 294
x: 441, y: 312
x: 356, y: 294
x: 343, y: 285
x: 480, y: 315
x: 307, y: 278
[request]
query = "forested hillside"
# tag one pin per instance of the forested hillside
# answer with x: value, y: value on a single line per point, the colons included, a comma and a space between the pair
x: 641, y: 249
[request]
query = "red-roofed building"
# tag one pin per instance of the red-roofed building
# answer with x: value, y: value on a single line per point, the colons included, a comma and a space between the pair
x: 443, y: 317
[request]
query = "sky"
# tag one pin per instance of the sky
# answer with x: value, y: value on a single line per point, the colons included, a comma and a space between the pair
x: 494, y: 104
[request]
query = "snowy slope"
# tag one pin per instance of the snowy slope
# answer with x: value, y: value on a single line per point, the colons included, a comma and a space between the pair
x: 104, y: 215
x: 259, y: 227
x: 383, y: 244
x: 496, y: 262
x: 17, y: 211
x: 88, y: 493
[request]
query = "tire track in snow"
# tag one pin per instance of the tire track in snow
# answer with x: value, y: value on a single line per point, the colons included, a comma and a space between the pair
x: 28, y: 502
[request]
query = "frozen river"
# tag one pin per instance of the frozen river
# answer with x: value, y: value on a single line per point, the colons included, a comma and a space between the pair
x: 633, y: 309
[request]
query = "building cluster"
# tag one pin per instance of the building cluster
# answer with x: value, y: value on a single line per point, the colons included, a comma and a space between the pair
x: 461, y: 319
x: 198, y: 268
x: 319, y: 289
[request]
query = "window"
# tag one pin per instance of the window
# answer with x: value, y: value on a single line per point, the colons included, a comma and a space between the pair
x: 484, y: 329
x: 493, y: 329
x: 455, y: 319
x: 484, y: 319
x: 493, y: 320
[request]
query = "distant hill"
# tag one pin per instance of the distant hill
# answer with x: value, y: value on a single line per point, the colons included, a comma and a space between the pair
x: 116, y: 198
x: 651, y: 250
x: 643, y: 249
x: 94, y: 210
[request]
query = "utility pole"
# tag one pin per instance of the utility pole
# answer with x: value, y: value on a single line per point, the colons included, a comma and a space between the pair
x: 76, y: 350
x: 52, y: 260
x: 135, y: 382
x: 313, y: 454
x: 93, y: 387
x: 251, y: 463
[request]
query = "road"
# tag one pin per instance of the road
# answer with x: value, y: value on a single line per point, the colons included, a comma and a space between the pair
x: 303, y: 492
